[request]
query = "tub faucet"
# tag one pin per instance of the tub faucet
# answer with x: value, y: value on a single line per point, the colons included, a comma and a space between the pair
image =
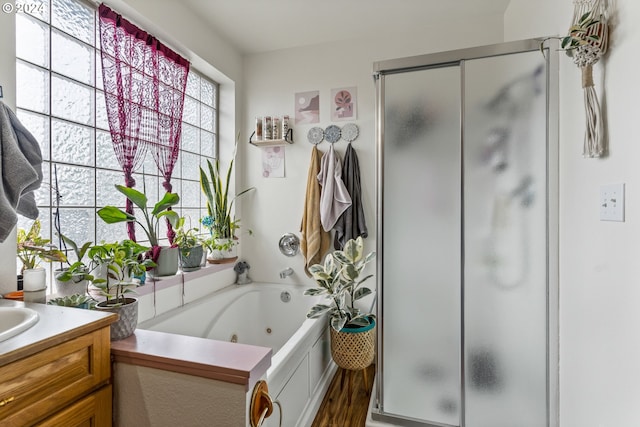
x: 286, y: 272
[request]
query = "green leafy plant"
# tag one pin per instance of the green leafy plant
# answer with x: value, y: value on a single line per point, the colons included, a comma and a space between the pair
x: 33, y: 248
x: 75, y: 300
x: 339, y: 281
x: 151, y: 219
x: 186, y: 238
x: 219, y: 203
x: 124, y: 262
x: 77, y: 271
x: 578, y: 35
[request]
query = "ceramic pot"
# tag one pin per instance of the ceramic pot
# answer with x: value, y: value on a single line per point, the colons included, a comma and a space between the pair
x: 69, y: 287
x: 167, y: 262
x: 354, y: 348
x: 127, y: 322
x: 191, y: 258
x: 217, y: 256
x: 34, y: 279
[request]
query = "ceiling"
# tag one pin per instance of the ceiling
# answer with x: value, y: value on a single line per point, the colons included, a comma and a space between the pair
x: 254, y: 26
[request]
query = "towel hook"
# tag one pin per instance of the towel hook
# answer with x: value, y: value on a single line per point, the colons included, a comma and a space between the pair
x: 315, y: 135
x: 332, y: 134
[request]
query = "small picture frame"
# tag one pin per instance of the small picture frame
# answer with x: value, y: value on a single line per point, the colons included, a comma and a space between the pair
x: 344, y: 105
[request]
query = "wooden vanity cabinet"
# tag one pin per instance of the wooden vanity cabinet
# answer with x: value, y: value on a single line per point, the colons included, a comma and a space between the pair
x: 64, y: 385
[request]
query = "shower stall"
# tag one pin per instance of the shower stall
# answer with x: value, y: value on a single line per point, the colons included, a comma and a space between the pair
x: 467, y: 238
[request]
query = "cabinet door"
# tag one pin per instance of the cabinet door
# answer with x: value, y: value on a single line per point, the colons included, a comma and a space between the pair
x: 92, y: 411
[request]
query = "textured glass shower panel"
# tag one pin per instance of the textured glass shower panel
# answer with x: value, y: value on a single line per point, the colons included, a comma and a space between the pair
x: 421, y: 232
x: 505, y: 266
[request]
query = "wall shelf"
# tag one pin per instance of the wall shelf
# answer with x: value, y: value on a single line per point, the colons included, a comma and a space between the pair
x: 288, y: 139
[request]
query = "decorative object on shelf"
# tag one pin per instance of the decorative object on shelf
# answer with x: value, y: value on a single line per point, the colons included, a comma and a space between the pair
x: 74, y: 300
x: 242, y: 270
x: 315, y: 135
x: 31, y: 249
x: 350, y: 132
x: 343, y: 104
x: 190, y: 246
x: 289, y: 244
x: 332, y: 133
x: 284, y: 136
x: 307, y: 107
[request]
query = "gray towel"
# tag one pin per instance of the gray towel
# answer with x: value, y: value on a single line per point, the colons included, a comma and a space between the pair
x: 351, y: 223
x: 334, y: 198
x: 21, y: 170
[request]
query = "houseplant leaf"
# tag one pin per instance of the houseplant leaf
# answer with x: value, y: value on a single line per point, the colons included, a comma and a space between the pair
x: 137, y: 198
x: 113, y: 215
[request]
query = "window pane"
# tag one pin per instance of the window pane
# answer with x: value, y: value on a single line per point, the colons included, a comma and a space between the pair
x: 191, y: 111
x: 190, y: 195
x: 74, y: 18
x: 106, y: 194
x: 72, y: 58
x: 192, y: 218
x: 177, y: 169
x: 106, y: 157
x: 72, y: 143
x: 190, y: 164
x: 32, y: 88
x: 99, y: 78
x: 43, y: 194
x: 76, y: 185
x: 206, y: 121
x: 208, y: 144
x: 71, y: 101
x: 207, y: 93
x: 102, y: 121
x: 77, y: 224
x: 110, y: 232
x: 193, y: 85
x: 32, y: 40
x: 190, y: 140
x: 38, y: 125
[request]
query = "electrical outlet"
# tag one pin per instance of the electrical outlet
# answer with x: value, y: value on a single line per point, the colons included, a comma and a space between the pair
x: 612, y: 202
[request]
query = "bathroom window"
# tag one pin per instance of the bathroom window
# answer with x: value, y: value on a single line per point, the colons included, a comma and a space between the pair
x: 60, y: 100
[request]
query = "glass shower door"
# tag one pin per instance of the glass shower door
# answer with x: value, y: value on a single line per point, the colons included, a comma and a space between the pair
x: 505, y: 241
x: 421, y: 301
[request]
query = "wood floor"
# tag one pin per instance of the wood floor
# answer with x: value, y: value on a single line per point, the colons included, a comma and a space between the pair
x: 335, y: 410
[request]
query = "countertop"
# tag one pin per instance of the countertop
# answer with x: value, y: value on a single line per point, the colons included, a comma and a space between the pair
x: 56, y: 325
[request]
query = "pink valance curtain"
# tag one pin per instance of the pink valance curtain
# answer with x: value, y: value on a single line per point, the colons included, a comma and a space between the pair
x: 144, y: 86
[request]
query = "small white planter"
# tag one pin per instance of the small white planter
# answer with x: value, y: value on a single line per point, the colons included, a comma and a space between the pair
x: 217, y: 256
x: 34, y: 279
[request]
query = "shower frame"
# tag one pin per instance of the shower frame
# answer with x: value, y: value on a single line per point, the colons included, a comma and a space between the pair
x: 452, y: 58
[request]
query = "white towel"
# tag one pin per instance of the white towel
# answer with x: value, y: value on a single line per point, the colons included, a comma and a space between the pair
x: 334, y: 199
x: 21, y: 170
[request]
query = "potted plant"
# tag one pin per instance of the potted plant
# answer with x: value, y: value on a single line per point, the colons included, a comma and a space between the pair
x: 74, y: 278
x: 31, y: 249
x: 125, y: 262
x: 220, y: 220
x: 338, y: 279
x: 190, y: 246
x: 73, y: 300
x: 166, y: 258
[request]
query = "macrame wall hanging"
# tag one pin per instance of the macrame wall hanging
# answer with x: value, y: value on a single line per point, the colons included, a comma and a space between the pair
x: 586, y: 43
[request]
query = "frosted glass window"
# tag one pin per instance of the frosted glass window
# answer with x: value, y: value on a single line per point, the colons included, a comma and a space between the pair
x: 102, y: 121
x: 106, y: 157
x: 190, y: 194
x: 72, y: 58
x: 208, y: 144
x: 72, y: 101
x: 73, y: 185
x: 32, y: 88
x: 37, y: 51
x: 72, y: 143
x: 190, y: 166
x: 74, y: 18
x: 190, y: 138
x: 106, y: 194
x: 38, y: 125
x: 207, y: 93
x: 191, y: 113
x: 193, y: 85
x: 77, y: 224
x: 206, y: 119
x: 39, y: 9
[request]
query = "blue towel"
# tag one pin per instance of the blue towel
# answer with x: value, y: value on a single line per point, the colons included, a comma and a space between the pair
x: 21, y: 170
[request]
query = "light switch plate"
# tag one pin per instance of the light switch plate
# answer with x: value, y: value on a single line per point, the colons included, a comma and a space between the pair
x: 612, y: 202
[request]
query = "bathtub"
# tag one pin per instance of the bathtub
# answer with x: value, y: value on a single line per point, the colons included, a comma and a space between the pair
x: 265, y: 315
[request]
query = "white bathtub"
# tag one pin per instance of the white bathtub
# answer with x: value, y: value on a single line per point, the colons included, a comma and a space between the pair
x: 255, y: 314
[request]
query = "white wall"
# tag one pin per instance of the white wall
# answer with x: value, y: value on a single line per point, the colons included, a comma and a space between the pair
x: 272, y: 79
x: 599, y: 293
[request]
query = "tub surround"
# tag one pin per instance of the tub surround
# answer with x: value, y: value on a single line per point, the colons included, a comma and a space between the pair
x: 218, y: 360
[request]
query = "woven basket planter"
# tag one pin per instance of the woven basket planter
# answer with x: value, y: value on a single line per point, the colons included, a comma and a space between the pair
x: 354, y: 348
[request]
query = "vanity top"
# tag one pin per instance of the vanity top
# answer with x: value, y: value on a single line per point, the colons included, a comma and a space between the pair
x: 56, y: 325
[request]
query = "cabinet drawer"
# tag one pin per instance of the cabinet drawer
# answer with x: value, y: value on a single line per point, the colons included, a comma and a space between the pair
x: 92, y: 411
x: 42, y: 384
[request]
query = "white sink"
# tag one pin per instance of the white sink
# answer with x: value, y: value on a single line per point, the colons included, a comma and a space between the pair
x: 15, y: 320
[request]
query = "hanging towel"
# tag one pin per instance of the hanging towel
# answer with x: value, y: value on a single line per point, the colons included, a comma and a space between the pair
x: 334, y: 199
x: 351, y: 223
x: 315, y: 241
x: 21, y: 170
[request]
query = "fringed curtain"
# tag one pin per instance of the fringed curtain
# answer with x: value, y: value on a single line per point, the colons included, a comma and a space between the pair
x: 144, y: 85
